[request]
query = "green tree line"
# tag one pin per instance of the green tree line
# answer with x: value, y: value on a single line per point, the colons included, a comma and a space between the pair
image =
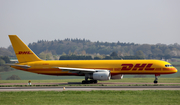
x: 82, y: 47
x: 77, y: 46
x: 113, y: 55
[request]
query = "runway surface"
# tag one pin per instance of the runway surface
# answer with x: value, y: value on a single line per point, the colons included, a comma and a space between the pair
x: 68, y: 83
x: 89, y: 88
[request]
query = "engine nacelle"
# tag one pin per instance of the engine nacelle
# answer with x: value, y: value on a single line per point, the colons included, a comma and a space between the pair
x: 119, y: 76
x: 101, y: 75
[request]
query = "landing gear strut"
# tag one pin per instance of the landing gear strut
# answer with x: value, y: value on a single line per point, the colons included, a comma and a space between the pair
x: 156, y: 78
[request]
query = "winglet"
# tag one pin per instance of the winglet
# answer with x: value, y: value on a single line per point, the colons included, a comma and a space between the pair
x: 22, y: 51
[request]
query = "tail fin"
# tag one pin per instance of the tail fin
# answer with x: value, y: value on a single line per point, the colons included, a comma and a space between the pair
x: 22, y: 51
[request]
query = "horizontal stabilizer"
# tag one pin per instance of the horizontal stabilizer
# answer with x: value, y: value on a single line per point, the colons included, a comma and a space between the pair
x: 23, y: 66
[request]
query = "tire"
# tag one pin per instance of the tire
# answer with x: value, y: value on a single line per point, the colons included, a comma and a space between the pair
x: 91, y: 81
x: 83, y: 82
x: 95, y: 81
x: 155, y: 81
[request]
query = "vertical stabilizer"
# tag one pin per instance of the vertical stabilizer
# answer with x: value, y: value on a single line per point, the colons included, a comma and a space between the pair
x: 22, y: 51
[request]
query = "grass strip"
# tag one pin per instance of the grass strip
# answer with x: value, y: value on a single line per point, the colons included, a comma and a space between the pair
x: 144, y: 97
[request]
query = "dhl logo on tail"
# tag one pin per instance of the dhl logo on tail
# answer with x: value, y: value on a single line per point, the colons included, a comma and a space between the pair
x: 23, y: 52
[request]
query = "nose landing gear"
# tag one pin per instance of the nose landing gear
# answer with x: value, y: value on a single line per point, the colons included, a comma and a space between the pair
x: 156, y: 78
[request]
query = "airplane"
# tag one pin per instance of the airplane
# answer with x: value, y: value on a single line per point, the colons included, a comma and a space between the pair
x: 95, y: 70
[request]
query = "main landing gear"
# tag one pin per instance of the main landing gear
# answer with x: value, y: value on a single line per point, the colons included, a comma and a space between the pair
x: 156, y: 78
x: 86, y: 80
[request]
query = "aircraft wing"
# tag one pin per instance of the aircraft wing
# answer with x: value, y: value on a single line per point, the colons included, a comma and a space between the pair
x: 80, y: 70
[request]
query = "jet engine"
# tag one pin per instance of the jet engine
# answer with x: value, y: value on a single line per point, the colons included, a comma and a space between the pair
x: 101, y: 75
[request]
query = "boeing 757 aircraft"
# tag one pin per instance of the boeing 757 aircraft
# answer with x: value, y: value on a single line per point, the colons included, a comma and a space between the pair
x: 92, y: 69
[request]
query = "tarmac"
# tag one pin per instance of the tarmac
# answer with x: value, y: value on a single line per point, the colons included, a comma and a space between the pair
x: 85, y: 88
x: 100, y: 83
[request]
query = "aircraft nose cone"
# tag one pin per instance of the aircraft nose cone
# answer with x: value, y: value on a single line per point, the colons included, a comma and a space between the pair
x: 175, y: 70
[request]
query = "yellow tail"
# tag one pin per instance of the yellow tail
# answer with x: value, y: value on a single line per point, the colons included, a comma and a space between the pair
x: 22, y: 51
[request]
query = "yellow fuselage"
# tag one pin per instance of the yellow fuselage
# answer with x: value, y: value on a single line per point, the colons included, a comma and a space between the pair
x: 49, y: 67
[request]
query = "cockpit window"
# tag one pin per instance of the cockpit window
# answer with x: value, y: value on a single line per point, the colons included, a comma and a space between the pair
x: 168, y: 66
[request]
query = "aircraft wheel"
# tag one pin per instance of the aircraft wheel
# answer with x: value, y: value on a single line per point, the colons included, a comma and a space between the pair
x: 95, y: 81
x: 155, y: 81
x: 91, y: 81
x: 87, y: 82
x: 83, y: 82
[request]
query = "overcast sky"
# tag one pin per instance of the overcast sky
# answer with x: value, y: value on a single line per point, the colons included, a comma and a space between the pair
x: 137, y: 21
